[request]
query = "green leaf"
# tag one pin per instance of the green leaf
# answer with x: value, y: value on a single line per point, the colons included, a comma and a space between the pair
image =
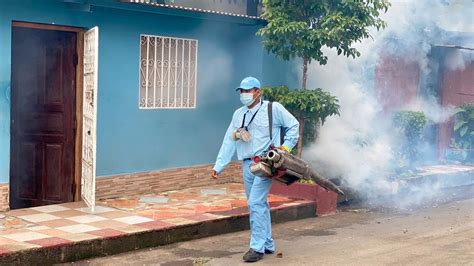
x: 463, y: 131
x: 313, y: 106
x: 458, y: 124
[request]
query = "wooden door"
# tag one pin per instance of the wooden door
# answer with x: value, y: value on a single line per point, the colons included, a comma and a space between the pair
x: 43, y: 108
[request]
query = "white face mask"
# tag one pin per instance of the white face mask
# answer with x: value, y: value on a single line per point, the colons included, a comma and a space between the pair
x: 246, y: 98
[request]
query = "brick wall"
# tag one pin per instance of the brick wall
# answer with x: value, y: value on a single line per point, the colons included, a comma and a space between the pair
x: 457, y: 89
x: 4, y: 204
x: 396, y: 81
x: 156, y: 181
x: 165, y: 180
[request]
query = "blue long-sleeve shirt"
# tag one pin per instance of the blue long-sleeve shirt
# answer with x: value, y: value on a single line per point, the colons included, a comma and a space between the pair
x: 259, y: 131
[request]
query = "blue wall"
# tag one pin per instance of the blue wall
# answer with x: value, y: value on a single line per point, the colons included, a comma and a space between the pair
x: 130, y: 139
x: 277, y: 72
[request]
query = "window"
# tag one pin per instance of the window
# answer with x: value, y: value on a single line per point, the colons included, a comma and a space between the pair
x: 167, y: 72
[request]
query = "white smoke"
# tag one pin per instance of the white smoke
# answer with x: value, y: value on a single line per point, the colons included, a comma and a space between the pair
x: 358, y: 145
x: 433, y: 111
x: 456, y: 59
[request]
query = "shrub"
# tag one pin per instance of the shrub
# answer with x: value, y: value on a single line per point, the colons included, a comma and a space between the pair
x: 411, y: 126
x: 310, y: 107
x: 464, y: 132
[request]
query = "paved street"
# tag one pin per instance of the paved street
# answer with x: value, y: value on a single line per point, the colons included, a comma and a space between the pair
x: 436, y: 234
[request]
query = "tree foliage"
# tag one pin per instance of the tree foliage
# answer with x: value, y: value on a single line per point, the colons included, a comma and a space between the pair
x: 301, y: 28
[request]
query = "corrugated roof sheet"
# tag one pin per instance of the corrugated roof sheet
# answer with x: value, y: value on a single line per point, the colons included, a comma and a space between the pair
x: 149, y: 3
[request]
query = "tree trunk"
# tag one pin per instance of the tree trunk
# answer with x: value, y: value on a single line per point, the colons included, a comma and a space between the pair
x: 299, y: 149
x: 305, y: 72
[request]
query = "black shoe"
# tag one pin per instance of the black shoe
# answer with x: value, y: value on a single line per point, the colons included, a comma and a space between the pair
x: 267, y: 251
x: 252, y: 256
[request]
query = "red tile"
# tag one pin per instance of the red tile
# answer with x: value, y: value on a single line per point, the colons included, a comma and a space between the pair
x: 123, y: 203
x: 50, y: 242
x: 276, y: 204
x: 155, y: 225
x: 220, y: 208
x: 204, y: 209
x: 184, y: 195
x: 236, y: 211
x: 107, y: 233
x: 200, y: 217
x: 4, y: 252
x: 162, y: 216
x: 239, y: 203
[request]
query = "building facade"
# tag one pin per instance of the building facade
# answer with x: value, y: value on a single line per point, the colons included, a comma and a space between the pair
x: 158, y: 82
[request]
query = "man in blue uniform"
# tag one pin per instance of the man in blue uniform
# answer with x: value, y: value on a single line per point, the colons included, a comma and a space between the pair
x: 249, y: 134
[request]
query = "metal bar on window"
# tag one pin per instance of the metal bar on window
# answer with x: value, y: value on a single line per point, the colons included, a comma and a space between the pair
x: 162, y: 65
x: 195, y: 73
x: 154, y: 73
x: 189, y: 69
x: 146, y: 64
x: 175, y: 70
x: 182, y: 71
x: 169, y: 71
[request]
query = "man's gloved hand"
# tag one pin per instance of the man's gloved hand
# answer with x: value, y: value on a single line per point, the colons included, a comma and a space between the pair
x: 283, y: 149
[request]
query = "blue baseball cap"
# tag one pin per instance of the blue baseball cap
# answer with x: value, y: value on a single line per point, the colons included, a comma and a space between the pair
x: 249, y: 83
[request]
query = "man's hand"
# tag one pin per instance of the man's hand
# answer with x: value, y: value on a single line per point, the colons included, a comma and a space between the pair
x: 214, y: 174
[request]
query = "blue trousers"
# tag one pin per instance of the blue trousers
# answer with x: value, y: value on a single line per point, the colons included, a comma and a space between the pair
x: 256, y: 189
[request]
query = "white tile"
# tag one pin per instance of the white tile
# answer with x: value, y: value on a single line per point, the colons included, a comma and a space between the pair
x: 83, y: 219
x: 97, y: 209
x: 40, y: 217
x: 50, y: 208
x: 37, y: 228
x: 78, y: 228
x: 133, y: 219
x: 22, y: 237
x: 213, y: 191
x: 154, y: 200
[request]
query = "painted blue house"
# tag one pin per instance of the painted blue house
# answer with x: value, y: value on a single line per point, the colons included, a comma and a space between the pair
x: 112, y: 88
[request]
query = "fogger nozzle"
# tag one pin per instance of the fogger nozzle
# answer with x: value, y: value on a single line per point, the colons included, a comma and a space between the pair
x: 273, y: 156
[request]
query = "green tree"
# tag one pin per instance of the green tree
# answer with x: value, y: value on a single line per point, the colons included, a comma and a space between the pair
x: 310, y: 107
x: 301, y: 28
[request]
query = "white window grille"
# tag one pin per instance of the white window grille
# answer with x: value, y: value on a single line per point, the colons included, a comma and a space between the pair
x: 167, y: 72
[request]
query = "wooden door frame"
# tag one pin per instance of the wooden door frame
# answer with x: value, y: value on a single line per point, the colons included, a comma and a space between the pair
x: 79, y: 95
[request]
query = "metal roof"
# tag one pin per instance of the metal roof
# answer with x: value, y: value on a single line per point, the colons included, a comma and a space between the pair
x: 193, y: 9
x: 454, y: 46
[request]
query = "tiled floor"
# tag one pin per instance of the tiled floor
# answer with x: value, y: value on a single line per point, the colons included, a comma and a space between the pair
x: 61, y: 224
x: 218, y: 201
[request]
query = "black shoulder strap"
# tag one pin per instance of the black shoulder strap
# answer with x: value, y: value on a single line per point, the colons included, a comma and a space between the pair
x: 270, y: 120
x: 270, y: 125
